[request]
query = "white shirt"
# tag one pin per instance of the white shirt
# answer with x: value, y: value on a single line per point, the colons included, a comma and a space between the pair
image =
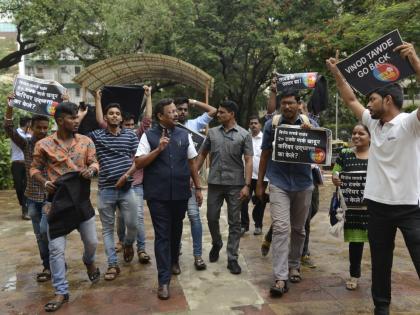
x: 393, y: 174
x: 17, y: 153
x: 256, y: 145
x: 144, y: 147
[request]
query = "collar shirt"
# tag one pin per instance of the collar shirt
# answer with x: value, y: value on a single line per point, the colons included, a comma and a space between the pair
x: 286, y: 176
x: 393, y: 174
x: 58, y: 159
x: 115, y: 154
x: 226, y: 151
x: 34, y: 190
x: 256, y: 145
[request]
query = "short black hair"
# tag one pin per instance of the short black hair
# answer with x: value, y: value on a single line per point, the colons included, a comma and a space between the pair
x: 23, y: 121
x: 253, y: 117
x: 180, y: 100
x: 111, y: 105
x: 394, y: 90
x: 289, y: 92
x: 128, y: 116
x: 36, y: 118
x: 158, y: 109
x: 65, y: 108
x: 231, y: 106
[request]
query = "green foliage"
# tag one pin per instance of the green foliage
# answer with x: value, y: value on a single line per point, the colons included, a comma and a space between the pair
x: 5, y: 164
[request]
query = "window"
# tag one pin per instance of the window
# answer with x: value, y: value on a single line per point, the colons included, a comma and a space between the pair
x: 77, y: 92
x: 76, y: 69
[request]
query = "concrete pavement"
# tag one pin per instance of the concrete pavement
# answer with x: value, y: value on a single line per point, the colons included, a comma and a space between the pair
x: 213, y: 291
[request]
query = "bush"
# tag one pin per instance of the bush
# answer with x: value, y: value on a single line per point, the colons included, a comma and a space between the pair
x: 6, y: 181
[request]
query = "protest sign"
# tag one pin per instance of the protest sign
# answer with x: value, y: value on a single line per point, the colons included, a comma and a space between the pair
x: 376, y: 65
x: 306, y: 146
x: 298, y: 81
x: 197, y: 138
x: 36, y: 95
x: 352, y: 187
x: 128, y: 96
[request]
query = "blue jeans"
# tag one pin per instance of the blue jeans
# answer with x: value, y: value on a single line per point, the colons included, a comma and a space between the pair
x: 193, y: 213
x: 108, y: 200
x: 57, y: 246
x: 141, y: 235
x: 40, y: 226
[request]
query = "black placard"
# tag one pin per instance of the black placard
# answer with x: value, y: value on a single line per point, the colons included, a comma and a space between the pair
x: 376, y: 65
x: 306, y: 146
x: 197, y: 138
x: 128, y: 96
x: 297, y: 81
x: 352, y: 187
x: 36, y: 95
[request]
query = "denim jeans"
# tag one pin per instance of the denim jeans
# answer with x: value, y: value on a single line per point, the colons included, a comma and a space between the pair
x: 141, y: 234
x: 108, y: 200
x: 193, y: 212
x: 40, y: 226
x: 57, y: 247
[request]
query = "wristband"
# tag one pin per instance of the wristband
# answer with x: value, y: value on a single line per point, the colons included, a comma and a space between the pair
x: 198, y: 188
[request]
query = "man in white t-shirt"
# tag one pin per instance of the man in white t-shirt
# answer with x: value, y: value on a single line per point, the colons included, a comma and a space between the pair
x: 393, y: 176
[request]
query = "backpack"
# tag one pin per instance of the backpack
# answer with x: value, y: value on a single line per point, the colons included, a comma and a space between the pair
x: 277, y: 118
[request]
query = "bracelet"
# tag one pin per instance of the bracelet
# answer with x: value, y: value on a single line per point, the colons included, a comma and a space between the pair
x: 248, y: 185
x: 45, y: 184
x: 198, y: 188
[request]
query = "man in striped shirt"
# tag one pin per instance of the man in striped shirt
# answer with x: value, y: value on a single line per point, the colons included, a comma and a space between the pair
x: 115, y: 149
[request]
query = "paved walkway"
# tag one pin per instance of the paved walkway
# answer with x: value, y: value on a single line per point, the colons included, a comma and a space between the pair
x: 214, y: 291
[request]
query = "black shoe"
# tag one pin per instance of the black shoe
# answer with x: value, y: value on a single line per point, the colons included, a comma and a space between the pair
x: 199, y: 263
x: 214, y: 252
x: 163, y: 292
x: 176, y: 270
x: 234, y: 267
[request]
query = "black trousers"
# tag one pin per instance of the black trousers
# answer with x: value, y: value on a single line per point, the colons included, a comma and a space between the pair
x: 259, y: 207
x: 19, y: 181
x: 382, y: 227
x: 312, y: 211
x: 167, y: 217
x: 355, y: 256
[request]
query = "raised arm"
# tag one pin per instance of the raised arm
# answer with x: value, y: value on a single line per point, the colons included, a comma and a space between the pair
x: 9, y: 128
x: 345, y: 90
x: 211, y: 111
x: 271, y: 105
x: 98, y: 108
x: 407, y: 50
x: 148, y: 93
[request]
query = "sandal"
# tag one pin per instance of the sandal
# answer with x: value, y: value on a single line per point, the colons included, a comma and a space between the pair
x: 93, y: 275
x: 43, y: 276
x: 351, y: 284
x: 128, y: 253
x: 56, y: 303
x: 144, y: 258
x: 279, y: 288
x: 118, y: 247
x: 112, y: 273
x: 294, y: 275
x: 199, y: 263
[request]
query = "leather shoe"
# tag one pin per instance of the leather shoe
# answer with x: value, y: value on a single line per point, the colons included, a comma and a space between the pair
x: 176, y: 270
x: 214, y: 252
x: 163, y: 292
x: 234, y: 267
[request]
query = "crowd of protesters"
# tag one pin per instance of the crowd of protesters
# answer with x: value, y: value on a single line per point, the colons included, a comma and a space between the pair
x: 158, y: 162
